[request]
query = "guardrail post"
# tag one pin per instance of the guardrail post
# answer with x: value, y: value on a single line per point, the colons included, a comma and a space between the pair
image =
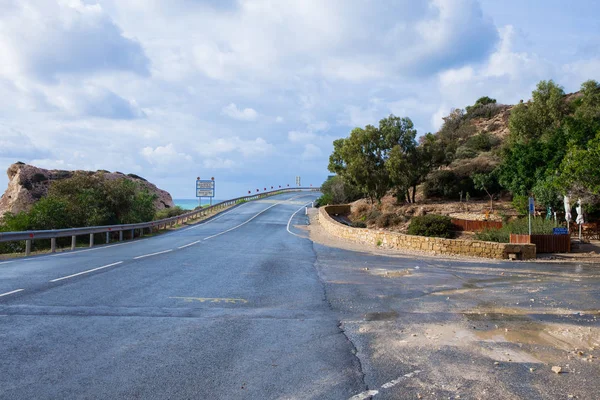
x: 91, y: 240
x: 107, y: 237
x: 132, y: 234
x: 73, y: 242
x: 52, y: 245
x: 120, y: 236
x: 28, y: 247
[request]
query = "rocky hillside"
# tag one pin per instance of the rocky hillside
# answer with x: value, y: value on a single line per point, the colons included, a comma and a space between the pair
x: 28, y: 183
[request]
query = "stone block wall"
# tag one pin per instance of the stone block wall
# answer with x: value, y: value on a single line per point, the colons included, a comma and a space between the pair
x: 435, y: 246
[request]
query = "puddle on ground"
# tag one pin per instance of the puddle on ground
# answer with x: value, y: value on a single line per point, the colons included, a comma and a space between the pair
x: 387, y: 273
x: 381, y: 316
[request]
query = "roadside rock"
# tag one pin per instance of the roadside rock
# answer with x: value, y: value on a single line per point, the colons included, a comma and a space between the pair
x: 556, y: 369
x: 27, y: 184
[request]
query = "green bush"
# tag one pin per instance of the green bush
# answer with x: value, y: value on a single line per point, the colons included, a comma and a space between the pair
x: 339, y: 191
x: 359, y: 224
x: 447, y: 184
x: 388, y: 219
x: 539, y: 226
x: 431, y: 225
x: 324, y: 200
x: 372, y: 216
x: 169, y: 212
x: 82, y: 200
x: 521, y: 204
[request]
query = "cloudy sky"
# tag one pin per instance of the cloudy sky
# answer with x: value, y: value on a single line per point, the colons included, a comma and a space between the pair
x: 253, y: 92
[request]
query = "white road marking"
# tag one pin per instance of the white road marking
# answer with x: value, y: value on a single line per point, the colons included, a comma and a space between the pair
x: 6, y: 262
x: 14, y: 291
x: 86, y: 272
x: 390, y: 384
x: 201, y: 223
x: 188, y: 245
x: 100, y: 247
x: 256, y: 215
x: 152, y: 254
x: 397, y: 381
x: 290, y: 220
x: 364, y: 395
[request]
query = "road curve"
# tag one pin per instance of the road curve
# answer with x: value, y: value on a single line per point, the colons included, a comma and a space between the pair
x: 231, y: 309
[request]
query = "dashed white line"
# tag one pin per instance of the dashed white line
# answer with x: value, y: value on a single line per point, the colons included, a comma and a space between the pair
x: 14, y: 291
x: 190, y: 244
x: 290, y: 220
x: 211, y: 220
x: 100, y: 247
x: 390, y: 384
x: 397, y: 381
x: 364, y: 395
x: 152, y: 254
x: 245, y: 222
x: 86, y: 272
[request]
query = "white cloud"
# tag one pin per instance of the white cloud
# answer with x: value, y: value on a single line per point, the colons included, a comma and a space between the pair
x: 300, y: 137
x: 311, y: 151
x: 107, y: 78
x: 164, y: 155
x: 51, y: 38
x: 247, y: 148
x: 232, y: 111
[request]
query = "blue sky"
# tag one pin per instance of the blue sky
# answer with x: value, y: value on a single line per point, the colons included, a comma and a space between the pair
x: 253, y: 92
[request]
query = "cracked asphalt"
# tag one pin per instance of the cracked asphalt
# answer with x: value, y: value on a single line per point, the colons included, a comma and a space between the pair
x: 245, y: 306
x: 451, y: 329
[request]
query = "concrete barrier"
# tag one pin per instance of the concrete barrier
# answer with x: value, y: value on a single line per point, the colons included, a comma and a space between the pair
x: 434, y: 246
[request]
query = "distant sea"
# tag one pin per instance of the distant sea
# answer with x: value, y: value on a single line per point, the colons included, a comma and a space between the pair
x: 190, y: 204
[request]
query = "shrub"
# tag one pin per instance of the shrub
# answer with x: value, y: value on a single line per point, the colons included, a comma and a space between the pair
x: 465, y: 152
x: 388, y: 219
x: 539, y: 226
x: 340, y: 191
x: 324, y: 200
x: 359, y: 224
x: 372, y: 216
x: 431, y: 225
x: 169, y: 212
x: 521, y: 204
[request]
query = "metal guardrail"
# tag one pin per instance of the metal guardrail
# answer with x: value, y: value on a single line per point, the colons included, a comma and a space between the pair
x: 53, y: 234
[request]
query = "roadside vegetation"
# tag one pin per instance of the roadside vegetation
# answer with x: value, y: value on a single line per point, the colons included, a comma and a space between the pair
x: 546, y: 148
x: 83, y: 200
x: 539, y: 226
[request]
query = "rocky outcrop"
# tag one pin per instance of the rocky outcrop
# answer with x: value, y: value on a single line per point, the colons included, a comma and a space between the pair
x: 28, y: 183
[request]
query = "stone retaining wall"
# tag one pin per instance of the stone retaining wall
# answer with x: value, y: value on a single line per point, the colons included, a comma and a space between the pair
x: 436, y: 246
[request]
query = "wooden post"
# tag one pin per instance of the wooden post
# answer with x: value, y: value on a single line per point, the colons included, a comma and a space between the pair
x: 91, y: 240
x: 107, y: 237
x: 73, y: 242
x: 53, y: 245
x: 28, y: 247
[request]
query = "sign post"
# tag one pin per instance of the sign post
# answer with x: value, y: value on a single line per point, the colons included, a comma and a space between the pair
x: 531, y: 211
x: 298, y: 181
x: 205, y: 188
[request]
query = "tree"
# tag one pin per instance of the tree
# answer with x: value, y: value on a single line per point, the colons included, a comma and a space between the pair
x: 361, y: 158
x: 488, y: 183
x: 580, y: 170
x: 339, y: 191
x: 543, y: 114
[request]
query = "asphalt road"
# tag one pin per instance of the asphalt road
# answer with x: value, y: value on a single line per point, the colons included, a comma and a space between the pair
x: 238, y: 314
x: 245, y: 306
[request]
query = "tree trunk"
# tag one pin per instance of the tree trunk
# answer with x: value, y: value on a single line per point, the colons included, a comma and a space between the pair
x: 407, y: 195
x: 414, y: 193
